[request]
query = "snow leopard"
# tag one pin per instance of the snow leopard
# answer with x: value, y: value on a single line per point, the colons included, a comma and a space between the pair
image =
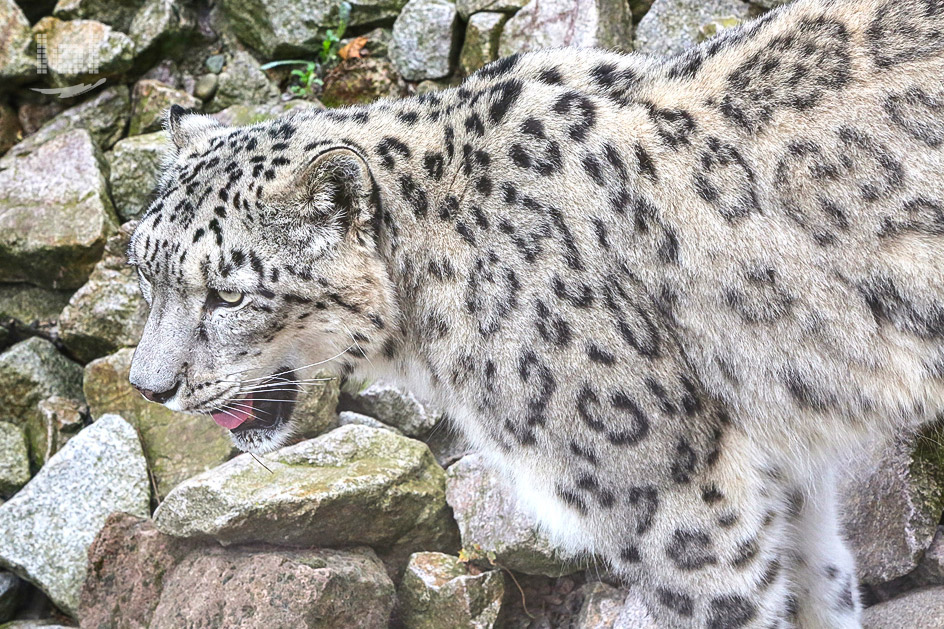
x: 664, y: 297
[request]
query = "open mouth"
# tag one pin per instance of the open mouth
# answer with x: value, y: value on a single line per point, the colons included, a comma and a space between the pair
x: 266, y: 407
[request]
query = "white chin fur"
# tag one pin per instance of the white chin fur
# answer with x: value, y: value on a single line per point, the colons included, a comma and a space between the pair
x: 262, y: 440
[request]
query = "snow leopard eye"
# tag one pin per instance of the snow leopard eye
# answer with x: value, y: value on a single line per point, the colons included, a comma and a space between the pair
x: 230, y: 297
x: 225, y: 298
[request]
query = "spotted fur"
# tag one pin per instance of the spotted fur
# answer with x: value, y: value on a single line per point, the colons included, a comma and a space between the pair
x: 662, y: 295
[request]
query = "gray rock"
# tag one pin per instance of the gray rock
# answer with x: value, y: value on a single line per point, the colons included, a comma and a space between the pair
x: 893, y: 496
x: 354, y: 485
x: 31, y: 371
x: 55, y: 212
x: 135, y: 165
x: 327, y: 588
x: 426, y: 38
x: 16, y: 64
x: 247, y: 114
x: 171, y: 459
x: 214, y: 63
x: 162, y: 28
x: 10, y: 129
x: 242, y: 81
x: 931, y: 569
x: 316, y: 411
x: 607, y: 607
x: 108, y: 312
x: 482, y: 35
x: 47, y: 528
x: 205, y: 87
x: 468, y: 7
x: 105, y: 116
x: 287, y: 29
x: 58, y: 419
x: 107, y: 53
x: 11, y: 595
x: 116, y: 13
x: 14, y: 461
x: 580, y: 23
x: 150, y: 100
x: 770, y: 4
x: 398, y: 408
x: 439, y: 592
x: 489, y: 517
x: 350, y: 418
x: 923, y: 609
x: 27, y: 309
x: 136, y: 572
x: 671, y: 26
x: 378, y: 41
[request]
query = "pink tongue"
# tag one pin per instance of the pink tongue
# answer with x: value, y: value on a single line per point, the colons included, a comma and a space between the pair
x: 234, y: 416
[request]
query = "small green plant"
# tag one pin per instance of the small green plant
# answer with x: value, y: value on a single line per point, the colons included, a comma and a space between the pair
x: 305, y: 77
x: 312, y: 72
x: 329, y: 46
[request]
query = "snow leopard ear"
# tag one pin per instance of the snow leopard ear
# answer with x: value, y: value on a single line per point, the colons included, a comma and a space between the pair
x: 337, y: 184
x: 183, y: 126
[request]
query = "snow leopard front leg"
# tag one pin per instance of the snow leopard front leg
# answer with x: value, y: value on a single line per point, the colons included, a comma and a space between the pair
x: 822, y: 567
x: 712, y: 552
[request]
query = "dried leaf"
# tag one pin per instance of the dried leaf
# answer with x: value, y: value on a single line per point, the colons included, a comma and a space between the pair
x: 354, y: 49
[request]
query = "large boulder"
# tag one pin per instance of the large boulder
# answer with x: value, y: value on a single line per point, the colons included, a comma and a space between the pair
x: 10, y: 128
x: 135, y: 165
x: 580, y: 23
x: 896, y: 496
x: 105, y: 116
x: 128, y: 564
x: 353, y: 485
x: 398, y: 408
x: 248, y: 113
x: 116, y: 13
x: 177, y: 445
x: 316, y: 411
x: 490, y: 519
x: 26, y: 309
x: 14, y: 459
x: 671, y: 26
x: 287, y: 28
x: 47, y: 528
x: 55, y: 212
x: 922, y: 609
x: 31, y: 371
x: 151, y: 99
x: 426, y: 39
x: 103, y: 52
x: 313, y: 588
x: 57, y: 420
x: 108, y: 313
x: 482, y: 35
x: 162, y: 28
x: 439, y: 592
x: 242, y: 81
x: 467, y: 8
x: 135, y: 572
x: 15, y: 61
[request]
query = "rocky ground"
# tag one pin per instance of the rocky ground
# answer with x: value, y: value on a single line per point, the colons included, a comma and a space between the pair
x: 120, y: 513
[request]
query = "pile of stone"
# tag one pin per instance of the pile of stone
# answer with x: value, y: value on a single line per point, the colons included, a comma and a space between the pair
x: 378, y: 515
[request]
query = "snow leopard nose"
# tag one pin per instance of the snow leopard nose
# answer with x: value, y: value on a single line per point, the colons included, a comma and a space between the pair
x: 159, y: 396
